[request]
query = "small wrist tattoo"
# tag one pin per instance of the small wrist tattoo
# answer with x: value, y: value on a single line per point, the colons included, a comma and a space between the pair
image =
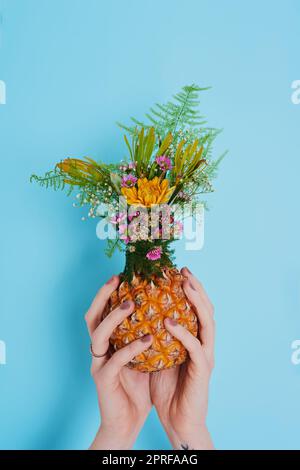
x: 185, y: 447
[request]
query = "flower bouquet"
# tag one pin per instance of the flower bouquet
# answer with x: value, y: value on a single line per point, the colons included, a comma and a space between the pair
x: 168, y: 168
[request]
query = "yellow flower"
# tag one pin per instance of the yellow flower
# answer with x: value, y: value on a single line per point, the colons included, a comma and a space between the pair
x: 148, y: 192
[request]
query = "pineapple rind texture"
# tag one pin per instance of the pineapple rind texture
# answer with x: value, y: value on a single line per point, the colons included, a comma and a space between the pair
x: 154, y: 300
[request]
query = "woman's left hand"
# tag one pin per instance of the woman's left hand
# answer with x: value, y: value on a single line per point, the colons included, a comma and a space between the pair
x: 180, y: 395
x: 123, y: 393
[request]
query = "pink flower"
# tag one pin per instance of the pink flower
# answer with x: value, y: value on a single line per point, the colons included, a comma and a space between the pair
x: 164, y: 162
x: 123, y: 233
x: 125, y: 238
x: 128, y: 181
x: 154, y: 254
x: 131, y: 165
x: 183, y: 195
x: 156, y: 233
x: 178, y: 228
x: 132, y: 216
x: 122, y: 229
x: 116, y: 219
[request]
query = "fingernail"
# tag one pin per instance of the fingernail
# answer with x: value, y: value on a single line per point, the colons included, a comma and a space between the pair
x: 191, y: 286
x: 187, y: 269
x: 171, y: 321
x: 125, y: 305
x: 110, y: 280
x: 146, y: 339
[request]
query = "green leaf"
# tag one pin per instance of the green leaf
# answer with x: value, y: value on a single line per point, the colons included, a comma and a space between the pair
x: 165, y: 145
x: 116, y: 182
x: 149, y: 147
x: 129, y: 147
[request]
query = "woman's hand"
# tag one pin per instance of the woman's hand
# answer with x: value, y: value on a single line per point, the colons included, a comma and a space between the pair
x: 123, y: 394
x: 180, y: 395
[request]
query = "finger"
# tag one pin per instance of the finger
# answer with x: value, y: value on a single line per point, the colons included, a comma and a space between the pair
x: 112, y: 368
x: 100, y: 337
x: 206, y: 321
x: 188, y: 340
x: 98, y: 362
x: 199, y: 287
x: 95, y: 312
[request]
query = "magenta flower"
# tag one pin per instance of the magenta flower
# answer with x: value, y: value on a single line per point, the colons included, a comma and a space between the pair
x: 154, y: 254
x: 164, y: 162
x: 133, y: 216
x: 128, y: 181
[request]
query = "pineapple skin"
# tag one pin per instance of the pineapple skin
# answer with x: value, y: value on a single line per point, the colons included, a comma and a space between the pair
x: 154, y: 300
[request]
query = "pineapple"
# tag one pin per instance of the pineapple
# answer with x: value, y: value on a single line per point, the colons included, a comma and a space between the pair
x: 154, y: 300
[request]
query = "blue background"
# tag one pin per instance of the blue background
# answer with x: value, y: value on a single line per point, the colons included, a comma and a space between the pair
x: 74, y: 67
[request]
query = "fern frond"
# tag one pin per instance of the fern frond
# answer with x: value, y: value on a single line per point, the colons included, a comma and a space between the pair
x: 174, y: 115
x: 51, y: 179
x: 111, y: 246
x: 213, y: 167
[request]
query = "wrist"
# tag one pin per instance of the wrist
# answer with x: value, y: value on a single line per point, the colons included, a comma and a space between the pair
x: 188, y: 436
x: 115, y: 437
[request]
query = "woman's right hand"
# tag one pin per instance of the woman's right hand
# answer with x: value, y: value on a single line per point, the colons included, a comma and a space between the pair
x: 123, y: 393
